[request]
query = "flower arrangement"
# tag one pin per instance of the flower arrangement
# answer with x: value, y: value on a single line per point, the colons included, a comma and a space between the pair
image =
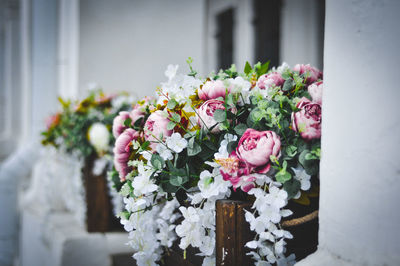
x: 82, y: 131
x: 252, y: 135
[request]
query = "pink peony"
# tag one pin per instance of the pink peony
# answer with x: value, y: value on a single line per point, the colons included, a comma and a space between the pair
x: 122, y: 151
x: 268, y: 80
x: 255, y: 148
x: 307, y: 121
x: 206, y: 113
x: 212, y: 89
x: 156, y: 128
x: 313, y: 73
x: 315, y: 91
x: 136, y: 113
x: 118, y: 123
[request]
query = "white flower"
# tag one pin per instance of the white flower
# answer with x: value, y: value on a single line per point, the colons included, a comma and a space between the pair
x: 142, y: 184
x: 195, y: 198
x: 276, y: 197
x: 282, y: 68
x: 99, y: 165
x: 208, y: 246
x: 212, y: 184
x: 286, y: 261
x: 190, y: 233
x: 271, y: 214
x: 240, y: 84
x: 303, y: 177
x: 256, y: 224
x: 164, y: 152
x: 99, y: 137
x: 166, y: 233
x: 176, y: 143
x: 170, y: 73
x: 190, y: 214
x: 223, y: 148
x: 208, y: 261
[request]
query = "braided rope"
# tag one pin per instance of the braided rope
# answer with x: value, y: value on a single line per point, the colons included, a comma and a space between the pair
x: 300, y: 220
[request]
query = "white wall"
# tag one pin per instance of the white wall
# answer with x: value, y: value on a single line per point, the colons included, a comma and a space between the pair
x: 360, y: 170
x: 127, y: 44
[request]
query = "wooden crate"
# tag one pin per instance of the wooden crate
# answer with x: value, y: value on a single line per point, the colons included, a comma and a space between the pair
x: 99, y: 213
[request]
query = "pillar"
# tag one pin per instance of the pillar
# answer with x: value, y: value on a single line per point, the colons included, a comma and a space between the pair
x: 360, y: 170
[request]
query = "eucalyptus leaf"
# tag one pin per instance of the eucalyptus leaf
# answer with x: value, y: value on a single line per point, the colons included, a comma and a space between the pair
x: 282, y: 176
x: 240, y: 129
x: 157, y: 161
x: 288, y: 85
x: 219, y: 115
x: 171, y: 104
x: 193, y: 147
x: 171, y: 125
x: 292, y: 187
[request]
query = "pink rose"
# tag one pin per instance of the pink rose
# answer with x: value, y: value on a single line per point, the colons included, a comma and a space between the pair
x: 315, y: 91
x: 313, y: 73
x: 255, y: 148
x: 118, y: 123
x: 268, y: 80
x: 156, y: 128
x: 212, y: 89
x: 122, y: 152
x: 206, y: 114
x: 307, y: 121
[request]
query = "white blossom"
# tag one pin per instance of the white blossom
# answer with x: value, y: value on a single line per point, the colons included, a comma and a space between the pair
x: 303, y: 177
x: 176, y: 142
x: 142, y: 184
x: 164, y: 152
x: 170, y: 73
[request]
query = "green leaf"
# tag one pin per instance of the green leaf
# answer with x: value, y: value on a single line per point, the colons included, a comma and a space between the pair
x: 128, y: 122
x: 288, y: 85
x: 229, y: 99
x: 263, y: 69
x: 157, y: 161
x: 144, y: 146
x: 193, y: 147
x: 175, y: 117
x: 282, y: 176
x: 240, y: 129
x: 171, y: 104
x: 171, y: 125
x: 247, y: 68
x: 209, y: 144
x: 125, y: 190
x: 291, y: 150
x: 219, y: 115
x: 176, y: 181
x: 292, y: 187
x: 302, y: 156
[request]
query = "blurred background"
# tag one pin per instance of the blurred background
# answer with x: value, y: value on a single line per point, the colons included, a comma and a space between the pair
x: 51, y: 48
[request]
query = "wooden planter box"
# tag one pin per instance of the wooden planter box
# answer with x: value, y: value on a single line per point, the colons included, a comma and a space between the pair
x: 233, y: 232
x: 99, y: 212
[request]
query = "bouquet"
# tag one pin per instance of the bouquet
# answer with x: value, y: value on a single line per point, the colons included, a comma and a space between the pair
x: 253, y: 135
x: 81, y: 131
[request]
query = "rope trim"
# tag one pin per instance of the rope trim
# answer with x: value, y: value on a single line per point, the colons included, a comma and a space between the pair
x: 300, y: 220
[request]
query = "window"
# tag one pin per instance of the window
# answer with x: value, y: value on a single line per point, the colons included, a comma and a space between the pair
x: 267, y: 15
x: 225, y: 38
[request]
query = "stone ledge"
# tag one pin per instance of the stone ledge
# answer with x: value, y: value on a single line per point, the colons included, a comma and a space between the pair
x: 55, y: 239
